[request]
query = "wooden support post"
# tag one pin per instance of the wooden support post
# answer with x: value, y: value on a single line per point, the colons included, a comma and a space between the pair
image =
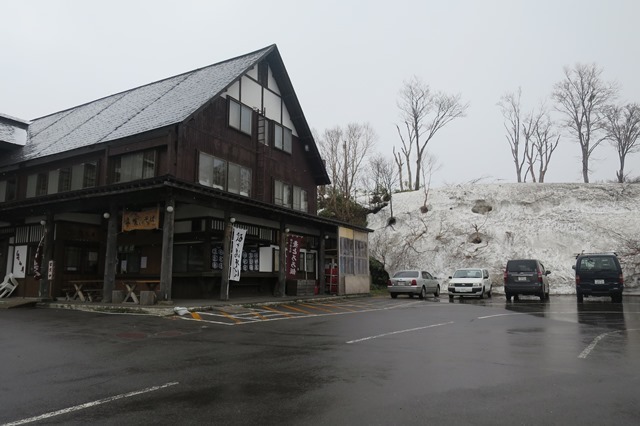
x: 111, y: 255
x: 226, y: 259
x: 282, y: 264
x: 166, y: 268
x: 47, y: 255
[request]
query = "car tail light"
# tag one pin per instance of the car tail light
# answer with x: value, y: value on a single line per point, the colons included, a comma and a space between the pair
x: 577, y: 280
x: 621, y: 279
x: 539, y: 276
x: 504, y: 276
x: 389, y: 282
x: 414, y: 282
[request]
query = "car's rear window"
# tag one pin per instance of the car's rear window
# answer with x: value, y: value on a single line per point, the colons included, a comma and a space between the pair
x: 468, y: 273
x: 597, y: 263
x: 522, y: 266
x: 406, y: 274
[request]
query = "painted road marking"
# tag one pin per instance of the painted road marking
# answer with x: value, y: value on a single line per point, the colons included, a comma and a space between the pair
x: 89, y: 404
x: 266, y: 313
x: 398, y: 332
x: 585, y: 353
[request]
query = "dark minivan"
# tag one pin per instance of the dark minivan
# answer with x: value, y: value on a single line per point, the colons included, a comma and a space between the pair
x: 526, y: 277
x: 598, y: 274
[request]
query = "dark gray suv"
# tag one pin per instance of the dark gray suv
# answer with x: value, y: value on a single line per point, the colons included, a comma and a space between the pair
x: 598, y: 274
x: 526, y: 277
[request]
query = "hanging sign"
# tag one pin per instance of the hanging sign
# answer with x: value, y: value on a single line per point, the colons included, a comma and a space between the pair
x: 237, y: 242
x: 145, y: 219
x: 292, y: 255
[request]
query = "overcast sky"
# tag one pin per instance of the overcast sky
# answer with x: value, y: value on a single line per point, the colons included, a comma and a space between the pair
x: 347, y: 61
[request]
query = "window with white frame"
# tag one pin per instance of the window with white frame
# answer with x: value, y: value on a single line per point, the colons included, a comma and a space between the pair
x: 282, y: 137
x: 300, y: 201
x: 282, y: 194
x: 220, y: 174
x: 240, y: 116
x: 139, y: 165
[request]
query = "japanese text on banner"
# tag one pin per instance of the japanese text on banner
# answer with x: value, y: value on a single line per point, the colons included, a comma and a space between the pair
x: 237, y: 242
x: 293, y: 254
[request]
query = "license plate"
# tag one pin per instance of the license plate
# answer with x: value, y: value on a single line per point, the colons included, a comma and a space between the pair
x: 522, y: 278
x: 463, y: 289
x: 598, y: 281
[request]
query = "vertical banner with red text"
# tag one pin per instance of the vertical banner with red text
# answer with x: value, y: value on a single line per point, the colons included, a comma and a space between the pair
x: 237, y: 242
x: 293, y: 254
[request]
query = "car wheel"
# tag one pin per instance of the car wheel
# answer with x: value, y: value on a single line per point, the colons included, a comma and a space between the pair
x: 411, y: 295
x: 542, y: 296
x: 617, y: 298
x: 481, y: 296
x: 516, y: 298
x: 393, y: 295
x: 437, y: 292
x: 580, y: 297
x: 450, y: 298
x: 508, y: 296
x: 423, y: 293
x: 490, y: 292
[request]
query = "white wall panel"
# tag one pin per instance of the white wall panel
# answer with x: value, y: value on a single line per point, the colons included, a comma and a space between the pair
x: 272, y: 104
x: 233, y: 91
x: 251, y: 93
x: 272, y: 85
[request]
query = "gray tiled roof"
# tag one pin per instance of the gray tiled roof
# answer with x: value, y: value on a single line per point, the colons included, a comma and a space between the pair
x: 135, y: 111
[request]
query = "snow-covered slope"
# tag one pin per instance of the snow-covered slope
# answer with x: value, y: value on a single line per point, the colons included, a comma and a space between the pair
x: 485, y: 225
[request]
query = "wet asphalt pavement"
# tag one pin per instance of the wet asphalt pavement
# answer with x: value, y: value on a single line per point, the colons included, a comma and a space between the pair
x: 375, y: 361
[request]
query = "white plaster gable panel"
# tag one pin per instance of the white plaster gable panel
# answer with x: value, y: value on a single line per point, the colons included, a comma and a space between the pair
x: 286, y: 121
x: 271, y: 83
x: 253, y: 73
x: 272, y: 106
x: 233, y: 91
x: 251, y: 94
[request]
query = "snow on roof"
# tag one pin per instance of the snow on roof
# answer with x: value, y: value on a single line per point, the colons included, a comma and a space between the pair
x: 13, y: 130
x: 550, y: 222
x: 135, y: 111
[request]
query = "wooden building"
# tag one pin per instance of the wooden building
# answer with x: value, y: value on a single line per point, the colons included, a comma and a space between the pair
x: 150, y: 184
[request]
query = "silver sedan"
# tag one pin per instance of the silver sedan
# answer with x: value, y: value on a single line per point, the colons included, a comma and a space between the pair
x: 413, y: 282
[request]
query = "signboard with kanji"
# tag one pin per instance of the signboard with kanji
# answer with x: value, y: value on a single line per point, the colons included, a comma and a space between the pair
x: 145, y: 219
x: 237, y: 242
x: 292, y: 256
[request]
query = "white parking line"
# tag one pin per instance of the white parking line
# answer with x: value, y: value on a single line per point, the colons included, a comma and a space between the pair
x: 398, y: 332
x: 89, y: 404
x: 585, y: 353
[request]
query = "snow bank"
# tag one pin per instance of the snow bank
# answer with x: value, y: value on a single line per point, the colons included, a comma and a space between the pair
x: 484, y: 225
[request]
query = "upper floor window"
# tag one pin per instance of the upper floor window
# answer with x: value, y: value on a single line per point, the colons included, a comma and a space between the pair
x: 300, y: 201
x: 8, y: 190
x: 218, y: 173
x: 282, y: 137
x: 240, y: 116
x: 290, y: 196
x: 139, y: 165
x: 78, y: 176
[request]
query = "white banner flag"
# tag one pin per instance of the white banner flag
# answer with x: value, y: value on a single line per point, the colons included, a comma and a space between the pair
x: 237, y: 242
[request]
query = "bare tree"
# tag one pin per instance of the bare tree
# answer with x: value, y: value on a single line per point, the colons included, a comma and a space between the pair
x: 400, y: 163
x: 529, y: 127
x: 384, y: 176
x: 582, y: 97
x: 545, y: 141
x: 623, y: 130
x: 423, y: 114
x: 510, y: 106
x: 345, y: 151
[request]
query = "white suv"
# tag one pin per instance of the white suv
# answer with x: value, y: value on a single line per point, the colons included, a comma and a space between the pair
x: 470, y: 282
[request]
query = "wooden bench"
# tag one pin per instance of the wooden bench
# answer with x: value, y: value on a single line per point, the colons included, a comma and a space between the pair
x: 85, y: 290
x: 131, y: 286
